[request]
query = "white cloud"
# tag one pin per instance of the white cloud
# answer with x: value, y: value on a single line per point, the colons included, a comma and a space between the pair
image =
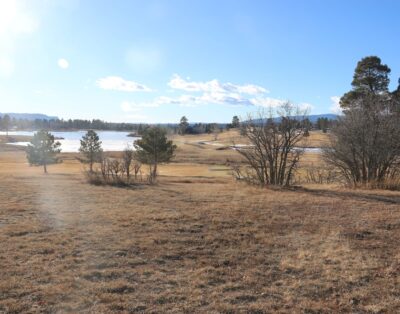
x: 207, y: 98
x: 306, y: 107
x: 231, y: 99
x: 214, y: 86
x: 212, y: 92
x: 127, y: 107
x: 16, y: 20
x: 120, y: 84
x: 267, y: 102
x: 335, y: 107
x: 63, y: 64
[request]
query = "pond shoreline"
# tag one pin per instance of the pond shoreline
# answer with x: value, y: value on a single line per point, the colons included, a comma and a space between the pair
x: 70, y: 140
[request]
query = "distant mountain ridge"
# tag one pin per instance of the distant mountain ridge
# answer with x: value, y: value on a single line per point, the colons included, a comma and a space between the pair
x: 313, y: 117
x: 330, y: 116
x: 29, y: 116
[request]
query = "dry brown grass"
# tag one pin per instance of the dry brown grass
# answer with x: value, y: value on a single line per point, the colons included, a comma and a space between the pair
x: 195, y: 242
x: 317, y: 139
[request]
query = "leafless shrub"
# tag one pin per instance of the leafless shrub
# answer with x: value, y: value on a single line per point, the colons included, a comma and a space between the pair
x: 136, y: 170
x: 127, y: 157
x: 114, y: 171
x: 391, y: 182
x: 243, y: 173
x: 216, y: 131
x: 323, y: 174
x: 151, y: 177
x: 94, y: 178
x: 365, y: 146
x: 273, y: 154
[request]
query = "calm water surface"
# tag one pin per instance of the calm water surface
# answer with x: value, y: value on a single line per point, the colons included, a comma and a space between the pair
x: 111, y: 140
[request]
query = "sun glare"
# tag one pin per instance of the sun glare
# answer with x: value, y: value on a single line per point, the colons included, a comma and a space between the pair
x: 15, y: 18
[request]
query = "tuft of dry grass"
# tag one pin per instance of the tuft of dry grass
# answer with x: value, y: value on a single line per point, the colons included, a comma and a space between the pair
x: 195, y: 242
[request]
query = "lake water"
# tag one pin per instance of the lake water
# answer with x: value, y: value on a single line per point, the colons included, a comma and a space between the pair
x: 111, y: 140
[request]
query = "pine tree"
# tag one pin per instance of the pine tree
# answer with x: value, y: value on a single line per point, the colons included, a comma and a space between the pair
x: 91, y: 148
x: 183, y: 125
x: 6, y: 123
x: 371, y: 77
x: 43, y: 149
x: 153, y: 148
x: 235, y: 122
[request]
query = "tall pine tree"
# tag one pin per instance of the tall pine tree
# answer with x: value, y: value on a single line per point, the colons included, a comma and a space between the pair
x: 43, y: 149
x: 91, y: 148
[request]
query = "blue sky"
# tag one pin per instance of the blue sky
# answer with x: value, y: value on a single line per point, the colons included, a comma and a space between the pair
x: 154, y: 61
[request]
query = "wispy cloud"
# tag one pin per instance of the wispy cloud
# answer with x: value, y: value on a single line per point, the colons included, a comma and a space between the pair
x: 214, y: 86
x: 335, y: 106
x: 267, y: 102
x: 306, y: 107
x: 207, y: 98
x: 119, y: 84
x: 211, y: 93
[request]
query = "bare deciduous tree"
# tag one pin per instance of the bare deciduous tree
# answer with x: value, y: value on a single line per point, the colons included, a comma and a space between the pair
x: 136, y: 169
x: 273, y: 154
x: 365, y: 144
x: 114, y: 171
x: 127, y: 157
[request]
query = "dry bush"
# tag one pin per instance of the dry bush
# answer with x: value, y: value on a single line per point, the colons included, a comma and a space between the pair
x: 114, y: 171
x: 322, y: 175
x: 365, y: 146
x: 390, y: 183
x: 273, y: 154
x: 244, y: 173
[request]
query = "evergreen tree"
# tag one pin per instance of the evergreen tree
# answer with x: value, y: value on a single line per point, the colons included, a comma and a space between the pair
x: 183, y: 125
x: 6, y: 123
x: 322, y: 124
x: 371, y: 77
x: 43, y: 149
x: 306, y: 123
x: 91, y: 148
x: 153, y: 148
x: 235, y: 122
x: 365, y: 144
x: 396, y: 93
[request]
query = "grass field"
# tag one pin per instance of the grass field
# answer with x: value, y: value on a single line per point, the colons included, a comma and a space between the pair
x: 195, y: 242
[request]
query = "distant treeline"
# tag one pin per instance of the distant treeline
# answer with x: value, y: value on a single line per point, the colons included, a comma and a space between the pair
x: 60, y: 124
x: 96, y: 124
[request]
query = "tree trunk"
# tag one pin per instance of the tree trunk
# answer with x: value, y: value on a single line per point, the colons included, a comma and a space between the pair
x: 155, y: 171
x: 44, y: 167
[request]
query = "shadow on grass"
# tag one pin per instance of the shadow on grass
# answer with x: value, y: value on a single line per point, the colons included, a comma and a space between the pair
x: 350, y: 195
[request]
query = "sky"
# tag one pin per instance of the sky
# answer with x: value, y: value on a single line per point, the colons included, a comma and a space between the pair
x: 155, y: 61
